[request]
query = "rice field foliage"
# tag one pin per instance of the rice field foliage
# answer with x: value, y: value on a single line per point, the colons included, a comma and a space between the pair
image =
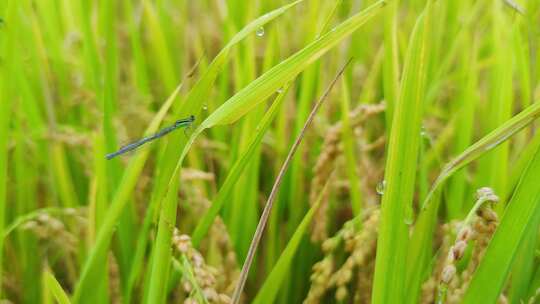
x: 417, y: 181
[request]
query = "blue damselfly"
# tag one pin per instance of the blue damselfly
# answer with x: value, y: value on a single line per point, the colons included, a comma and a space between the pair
x: 181, y: 123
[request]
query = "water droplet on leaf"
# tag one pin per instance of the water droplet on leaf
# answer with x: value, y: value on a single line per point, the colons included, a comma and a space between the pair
x: 409, y: 216
x: 260, y: 31
x: 408, y: 221
x: 424, y: 134
x: 381, y: 187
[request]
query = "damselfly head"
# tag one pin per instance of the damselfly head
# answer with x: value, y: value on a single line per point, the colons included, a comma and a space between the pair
x: 185, y: 121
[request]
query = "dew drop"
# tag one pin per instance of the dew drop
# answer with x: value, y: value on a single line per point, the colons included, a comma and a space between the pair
x: 260, y: 31
x: 280, y: 90
x: 409, y: 214
x: 408, y: 221
x: 423, y: 132
x: 381, y: 187
x: 205, y: 107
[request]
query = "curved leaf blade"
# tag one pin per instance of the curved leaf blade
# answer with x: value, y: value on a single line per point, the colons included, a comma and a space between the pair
x: 521, y: 212
x: 234, y: 174
x: 487, y: 143
x: 267, y: 84
x: 401, y: 167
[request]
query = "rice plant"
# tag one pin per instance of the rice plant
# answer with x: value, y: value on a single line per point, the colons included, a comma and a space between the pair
x: 277, y: 151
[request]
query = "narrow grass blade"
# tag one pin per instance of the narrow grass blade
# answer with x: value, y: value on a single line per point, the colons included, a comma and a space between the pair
x: 349, y: 151
x: 63, y: 178
x: 5, y: 117
x: 487, y: 143
x: 91, y: 57
x: 523, y: 268
x: 139, y: 69
x: 99, y: 202
x: 202, y: 88
x: 241, y: 218
x: 159, y: 46
x: 4, y: 128
x: 187, y: 271
x: 140, y: 251
x: 55, y: 288
x: 488, y: 280
x: 534, y: 283
x: 391, y: 61
x: 97, y: 211
x: 523, y: 160
x: 16, y: 223
x: 493, y: 166
x: 236, y: 170
x: 267, y: 84
x: 271, y: 198
x: 464, y: 127
x: 253, y: 26
x: 270, y: 288
x: 401, y: 165
x: 127, y: 184
x: 296, y: 185
x: 420, y: 251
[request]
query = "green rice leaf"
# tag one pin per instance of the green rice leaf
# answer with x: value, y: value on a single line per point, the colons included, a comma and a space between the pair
x: 267, y: 84
x: 401, y: 165
x: 202, y: 88
x: 518, y: 218
x: 236, y: 171
x: 56, y: 289
x: 127, y: 184
x: 270, y: 288
x: 199, y: 93
x: 487, y: 143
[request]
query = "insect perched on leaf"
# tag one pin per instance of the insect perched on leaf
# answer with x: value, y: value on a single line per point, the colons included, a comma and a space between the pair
x: 181, y: 123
